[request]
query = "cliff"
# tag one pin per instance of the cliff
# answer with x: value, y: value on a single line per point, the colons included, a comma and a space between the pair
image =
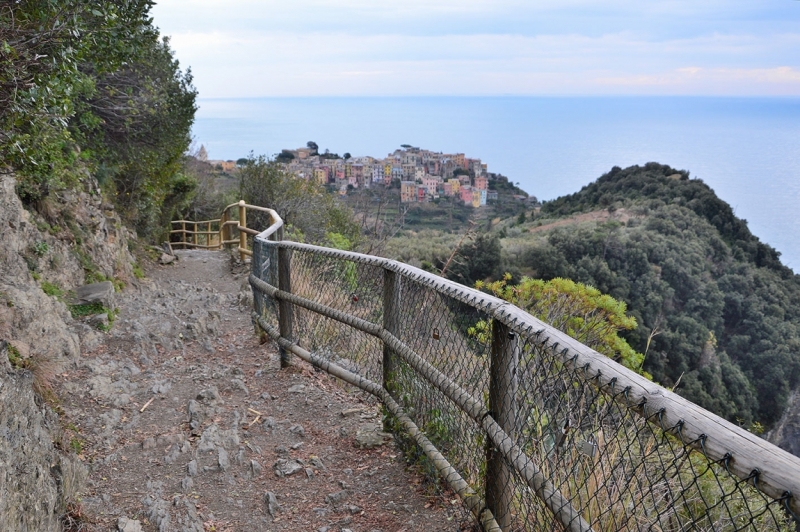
x: 78, y: 239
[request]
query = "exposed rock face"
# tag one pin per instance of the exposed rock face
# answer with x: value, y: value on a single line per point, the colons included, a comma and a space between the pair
x: 76, y: 237
x: 786, y: 433
x: 36, y: 480
x: 85, y: 236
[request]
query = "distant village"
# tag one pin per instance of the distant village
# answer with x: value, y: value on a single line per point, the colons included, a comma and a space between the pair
x: 421, y: 175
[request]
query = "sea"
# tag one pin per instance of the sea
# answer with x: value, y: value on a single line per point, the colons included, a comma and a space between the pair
x: 746, y: 149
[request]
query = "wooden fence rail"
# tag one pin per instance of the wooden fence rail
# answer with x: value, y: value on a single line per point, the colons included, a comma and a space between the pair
x: 219, y: 233
x: 746, y: 457
x: 687, y: 443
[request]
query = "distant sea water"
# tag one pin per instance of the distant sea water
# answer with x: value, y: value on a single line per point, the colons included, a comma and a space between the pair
x: 746, y: 149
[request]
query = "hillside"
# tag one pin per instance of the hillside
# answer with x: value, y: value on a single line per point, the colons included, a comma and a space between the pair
x: 718, y: 313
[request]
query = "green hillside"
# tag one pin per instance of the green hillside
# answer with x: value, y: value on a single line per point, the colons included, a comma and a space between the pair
x: 718, y: 313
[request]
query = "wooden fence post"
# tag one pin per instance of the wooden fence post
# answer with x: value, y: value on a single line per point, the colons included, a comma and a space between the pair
x: 285, y: 310
x: 242, y: 234
x: 502, y: 405
x: 183, y: 234
x: 222, y: 229
x: 391, y: 306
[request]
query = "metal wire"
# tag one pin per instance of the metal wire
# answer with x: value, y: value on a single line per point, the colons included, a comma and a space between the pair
x: 547, y: 439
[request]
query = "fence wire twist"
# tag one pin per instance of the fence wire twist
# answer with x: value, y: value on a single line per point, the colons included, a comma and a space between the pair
x: 538, y: 437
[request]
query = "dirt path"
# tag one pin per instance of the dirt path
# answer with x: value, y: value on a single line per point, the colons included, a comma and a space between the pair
x: 620, y: 215
x: 188, y: 424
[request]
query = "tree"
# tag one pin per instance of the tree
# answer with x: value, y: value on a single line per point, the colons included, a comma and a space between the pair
x: 476, y: 260
x: 134, y: 123
x: 45, y: 45
x: 91, y: 84
x: 346, y: 155
x: 591, y: 317
x: 303, y: 204
x: 313, y: 146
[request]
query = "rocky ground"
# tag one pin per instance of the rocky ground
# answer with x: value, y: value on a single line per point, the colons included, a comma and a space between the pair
x: 188, y: 424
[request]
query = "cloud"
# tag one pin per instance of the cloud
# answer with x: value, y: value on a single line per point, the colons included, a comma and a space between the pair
x: 418, y: 47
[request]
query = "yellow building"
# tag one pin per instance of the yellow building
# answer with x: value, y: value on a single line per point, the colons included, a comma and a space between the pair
x: 455, y: 185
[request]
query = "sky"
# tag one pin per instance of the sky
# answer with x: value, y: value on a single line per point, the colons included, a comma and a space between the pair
x: 279, y: 48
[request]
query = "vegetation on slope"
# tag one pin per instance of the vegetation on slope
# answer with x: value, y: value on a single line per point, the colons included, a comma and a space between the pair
x: 718, y: 312
x: 91, y: 85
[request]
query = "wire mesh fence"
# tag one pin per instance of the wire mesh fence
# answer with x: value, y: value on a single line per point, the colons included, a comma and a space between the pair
x: 533, y: 430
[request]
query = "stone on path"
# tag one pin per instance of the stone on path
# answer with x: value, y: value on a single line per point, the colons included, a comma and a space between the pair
x: 370, y: 436
x: 285, y: 468
x: 272, y: 503
x: 128, y: 525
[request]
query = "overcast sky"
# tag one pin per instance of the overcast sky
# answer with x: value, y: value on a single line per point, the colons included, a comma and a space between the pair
x: 255, y: 48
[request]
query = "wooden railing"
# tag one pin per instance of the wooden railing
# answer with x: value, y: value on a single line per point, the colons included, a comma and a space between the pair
x: 532, y: 429
x: 219, y: 233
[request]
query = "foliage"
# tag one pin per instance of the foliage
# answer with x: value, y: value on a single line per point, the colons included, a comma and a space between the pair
x: 91, y: 85
x: 44, y: 44
x: 476, y: 260
x: 135, y: 123
x: 303, y: 204
x: 719, y: 313
x: 583, y: 312
x: 52, y: 289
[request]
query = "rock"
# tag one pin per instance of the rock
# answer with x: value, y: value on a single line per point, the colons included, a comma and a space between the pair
x: 238, y: 384
x: 209, y: 396
x: 272, y: 503
x: 98, y: 320
x: 337, y: 497
x: 186, y: 484
x: 191, y: 468
x: 298, y: 430
x: 222, y: 459
x: 166, y: 258
x: 297, y: 388
x: 96, y: 293
x: 317, y: 463
x: 149, y: 443
x: 285, y: 468
x: 195, y: 416
x: 370, y: 436
x: 255, y: 468
x: 128, y: 525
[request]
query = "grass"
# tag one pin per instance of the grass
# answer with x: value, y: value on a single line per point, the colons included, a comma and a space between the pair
x: 92, y: 309
x: 51, y: 289
x: 44, y: 370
